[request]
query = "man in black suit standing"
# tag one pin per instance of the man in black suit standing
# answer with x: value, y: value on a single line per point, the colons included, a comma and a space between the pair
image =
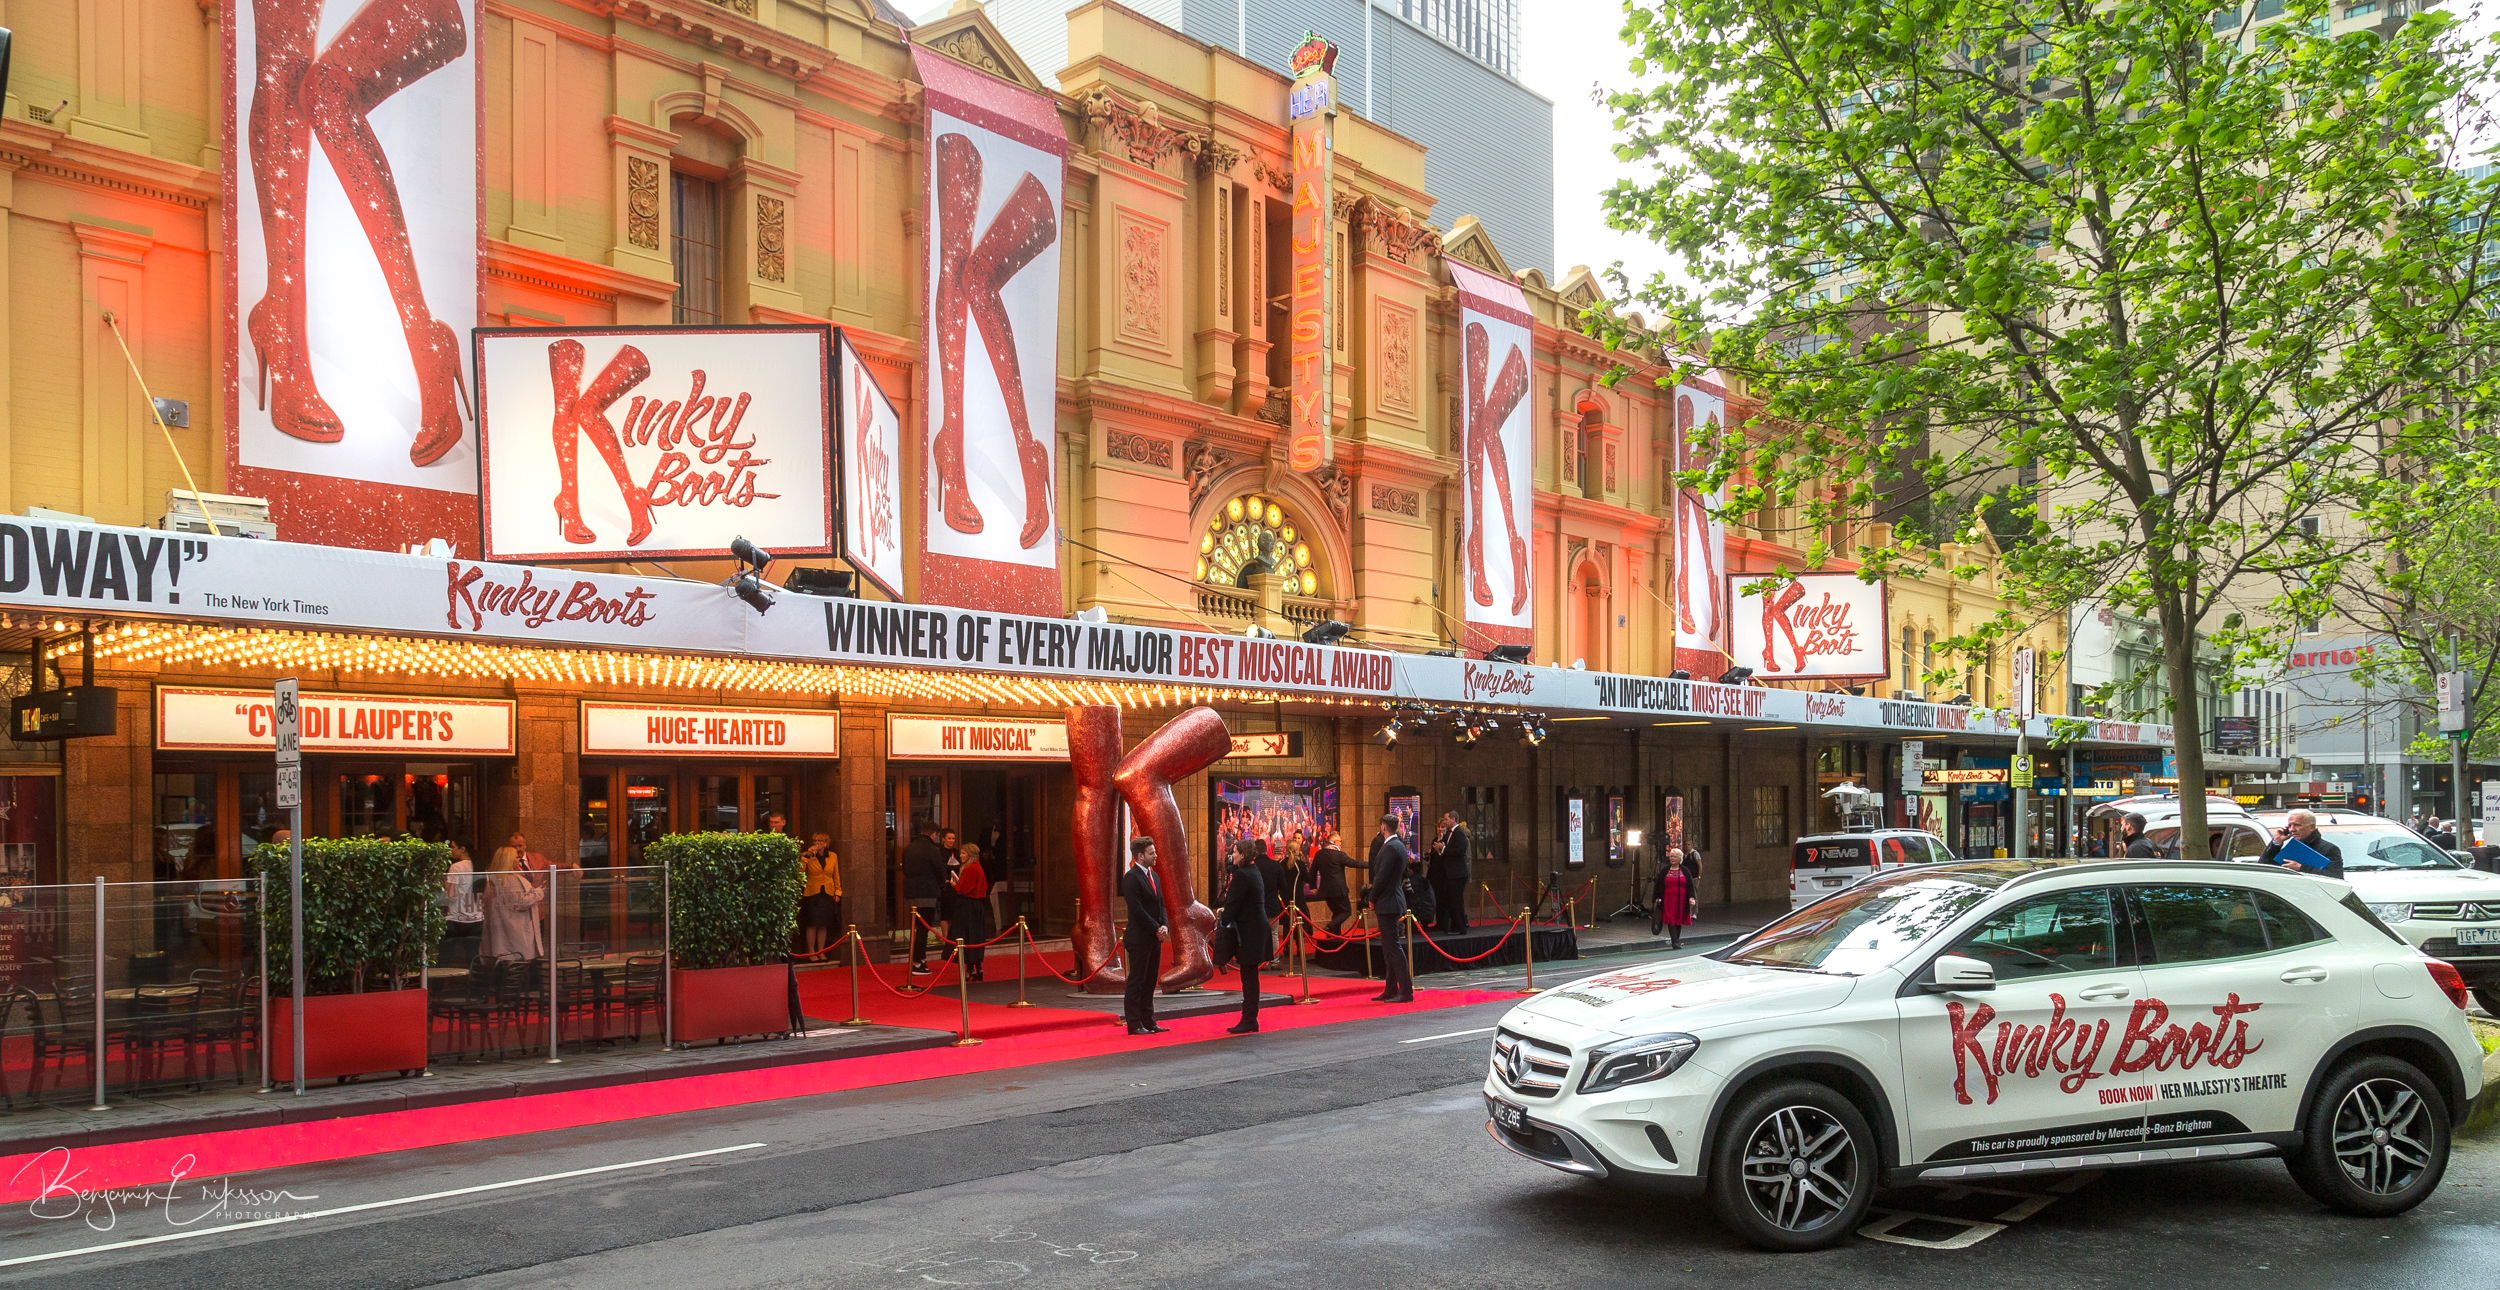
x: 1144, y: 938
x: 1387, y: 892
x: 1450, y: 875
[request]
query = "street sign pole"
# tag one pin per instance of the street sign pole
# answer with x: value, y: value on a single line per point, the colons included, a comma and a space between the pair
x: 2024, y: 661
x: 290, y: 778
x: 2456, y: 722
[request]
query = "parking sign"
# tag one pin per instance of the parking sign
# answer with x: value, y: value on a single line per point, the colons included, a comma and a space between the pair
x: 290, y: 747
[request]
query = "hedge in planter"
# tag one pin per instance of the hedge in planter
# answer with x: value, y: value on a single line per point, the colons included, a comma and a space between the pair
x: 733, y: 897
x: 372, y: 907
x: 733, y: 900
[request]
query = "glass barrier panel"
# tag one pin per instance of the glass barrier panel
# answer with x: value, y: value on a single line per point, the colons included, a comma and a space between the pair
x: 501, y: 995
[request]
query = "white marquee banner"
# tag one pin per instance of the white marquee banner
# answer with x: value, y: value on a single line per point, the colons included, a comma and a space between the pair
x: 245, y: 721
x: 77, y: 571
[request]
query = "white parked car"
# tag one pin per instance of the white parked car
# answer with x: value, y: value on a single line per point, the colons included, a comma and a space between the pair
x: 1955, y: 1023
x: 2425, y: 894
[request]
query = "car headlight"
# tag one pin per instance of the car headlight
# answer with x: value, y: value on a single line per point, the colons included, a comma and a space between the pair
x: 1636, y: 1061
x: 2391, y: 913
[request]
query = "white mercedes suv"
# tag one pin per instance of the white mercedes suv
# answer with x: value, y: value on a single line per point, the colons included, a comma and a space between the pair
x: 1991, y: 1018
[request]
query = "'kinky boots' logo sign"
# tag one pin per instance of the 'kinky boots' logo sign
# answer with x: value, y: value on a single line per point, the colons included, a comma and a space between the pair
x: 697, y: 436
x: 1814, y: 625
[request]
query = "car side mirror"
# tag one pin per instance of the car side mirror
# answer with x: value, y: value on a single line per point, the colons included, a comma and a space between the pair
x: 1954, y: 974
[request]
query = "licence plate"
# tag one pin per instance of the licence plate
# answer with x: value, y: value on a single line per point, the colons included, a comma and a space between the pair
x: 2478, y: 936
x: 1509, y: 1117
x: 1831, y: 882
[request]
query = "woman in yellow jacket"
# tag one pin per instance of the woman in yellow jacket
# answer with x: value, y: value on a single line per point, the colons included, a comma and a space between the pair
x: 820, y: 902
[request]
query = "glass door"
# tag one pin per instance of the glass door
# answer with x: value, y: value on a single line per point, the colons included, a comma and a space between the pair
x: 648, y: 797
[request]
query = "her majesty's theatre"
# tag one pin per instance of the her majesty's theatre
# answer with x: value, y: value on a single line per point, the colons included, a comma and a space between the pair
x: 679, y: 417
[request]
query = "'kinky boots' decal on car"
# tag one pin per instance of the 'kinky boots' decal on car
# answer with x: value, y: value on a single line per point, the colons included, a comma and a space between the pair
x: 2072, y: 1049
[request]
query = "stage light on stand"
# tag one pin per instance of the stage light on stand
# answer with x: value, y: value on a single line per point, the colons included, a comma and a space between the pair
x: 1388, y: 735
x: 1532, y: 731
x: 1258, y: 633
x: 1507, y: 654
x: 749, y: 554
x: 835, y: 584
x: 1735, y: 675
x: 1679, y: 674
x: 1327, y: 633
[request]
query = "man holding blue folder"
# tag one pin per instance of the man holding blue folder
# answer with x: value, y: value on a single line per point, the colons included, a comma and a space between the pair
x: 2299, y: 846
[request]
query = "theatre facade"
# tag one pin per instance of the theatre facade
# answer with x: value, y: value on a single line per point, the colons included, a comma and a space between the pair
x: 1043, y: 387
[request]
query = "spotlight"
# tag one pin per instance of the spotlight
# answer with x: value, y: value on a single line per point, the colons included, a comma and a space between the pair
x: 1735, y: 675
x: 1532, y: 732
x: 750, y: 589
x: 1679, y: 674
x: 1258, y: 633
x: 840, y: 584
x: 1464, y: 735
x: 1441, y: 653
x: 749, y: 554
x: 1388, y: 735
x: 1327, y: 633
x: 1507, y: 654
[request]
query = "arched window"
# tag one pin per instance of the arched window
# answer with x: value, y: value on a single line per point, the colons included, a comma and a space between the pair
x: 1909, y: 659
x: 1250, y: 529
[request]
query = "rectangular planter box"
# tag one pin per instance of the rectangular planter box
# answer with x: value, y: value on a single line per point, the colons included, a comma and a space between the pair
x: 349, y: 1034
x: 719, y: 1003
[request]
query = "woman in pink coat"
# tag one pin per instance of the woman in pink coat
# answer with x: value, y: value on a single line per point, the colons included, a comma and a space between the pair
x: 1673, y: 896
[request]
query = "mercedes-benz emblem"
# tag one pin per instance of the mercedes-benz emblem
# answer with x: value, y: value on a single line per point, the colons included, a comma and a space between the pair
x: 1518, y: 1063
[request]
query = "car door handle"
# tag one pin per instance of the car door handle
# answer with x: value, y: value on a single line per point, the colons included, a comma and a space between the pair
x: 2097, y: 993
x: 2310, y: 974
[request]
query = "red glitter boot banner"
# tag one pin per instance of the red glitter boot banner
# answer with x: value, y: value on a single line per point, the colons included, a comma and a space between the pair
x: 1497, y: 510
x: 994, y: 179
x: 352, y: 260
x: 1700, y: 599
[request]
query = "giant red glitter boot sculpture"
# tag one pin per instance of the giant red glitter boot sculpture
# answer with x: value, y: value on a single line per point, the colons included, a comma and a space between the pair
x: 1193, y: 741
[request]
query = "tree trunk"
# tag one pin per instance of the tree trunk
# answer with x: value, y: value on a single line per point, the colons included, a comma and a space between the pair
x: 2187, y: 724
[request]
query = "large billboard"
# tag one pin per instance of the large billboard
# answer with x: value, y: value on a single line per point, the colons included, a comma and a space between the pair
x: 872, y: 471
x: 693, y: 437
x: 991, y: 309
x: 352, y: 259
x: 1700, y: 600
x: 1809, y: 626
x: 1498, y: 454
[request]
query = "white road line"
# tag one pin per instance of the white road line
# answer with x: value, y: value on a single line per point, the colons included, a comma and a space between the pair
x: 374, y: 1204
x: 1455, y: 1034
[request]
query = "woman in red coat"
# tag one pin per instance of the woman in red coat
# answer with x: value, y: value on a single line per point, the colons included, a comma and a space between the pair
x: 1673, y: 897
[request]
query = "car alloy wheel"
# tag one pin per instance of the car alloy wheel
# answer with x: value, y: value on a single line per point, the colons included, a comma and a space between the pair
x: 1799, y: 1168
x: 2381, y: 1128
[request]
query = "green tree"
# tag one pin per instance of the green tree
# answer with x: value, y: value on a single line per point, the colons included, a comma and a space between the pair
x: 2434, y: 592
x: 2163, y: 282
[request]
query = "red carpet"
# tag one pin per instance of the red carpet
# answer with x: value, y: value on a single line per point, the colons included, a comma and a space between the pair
x: 1012, y: 1037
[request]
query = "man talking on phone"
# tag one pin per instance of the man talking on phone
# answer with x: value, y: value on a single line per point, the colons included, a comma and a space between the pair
x: 2303, y: 827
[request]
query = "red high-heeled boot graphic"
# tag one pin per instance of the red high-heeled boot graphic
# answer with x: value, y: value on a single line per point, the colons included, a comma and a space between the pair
x: 1487, y: 409
x: 1775, y: 615
x: 388, y: 45
x: 970, y: 276
x: 1692, y: 529
x: 281, y: 141
x: 582, y: 412
x: 1193, y: 741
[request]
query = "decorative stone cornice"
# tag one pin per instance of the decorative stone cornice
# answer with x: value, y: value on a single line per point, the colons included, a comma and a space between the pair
x: 1146, y: 136
x: 1393, y: 231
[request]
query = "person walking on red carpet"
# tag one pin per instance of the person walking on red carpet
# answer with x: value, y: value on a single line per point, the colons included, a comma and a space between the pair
x: 1144, y: 938
x: 1387, y: 893
x: 1246, y: 905
x: 1674, y: 900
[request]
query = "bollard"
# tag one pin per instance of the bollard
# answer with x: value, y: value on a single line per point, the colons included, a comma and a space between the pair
x: 858, y: 949
x: 963, y: 980
x: 1024, y: 937
x: 1527, y: 933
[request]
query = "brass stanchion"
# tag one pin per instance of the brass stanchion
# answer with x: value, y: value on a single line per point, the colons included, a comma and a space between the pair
x: 858, y: 948
x: 1571, y: 913
x: 1024, y: 937
x: 1367, y: 942
x: 963, y: 982
x: 1303, y: 948
x: 1527, y: 934
x: 1408, y: 923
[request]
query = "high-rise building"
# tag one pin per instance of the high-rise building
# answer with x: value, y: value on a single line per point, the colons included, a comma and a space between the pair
x: 1441, y: 72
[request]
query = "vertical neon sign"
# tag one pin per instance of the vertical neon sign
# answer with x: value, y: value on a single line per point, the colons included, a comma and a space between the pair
x: 1313, y: 112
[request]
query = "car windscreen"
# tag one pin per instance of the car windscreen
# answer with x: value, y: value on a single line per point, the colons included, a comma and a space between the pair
x: 1870, y: 925
x: 1833, y: 853
x: 2383, y: 847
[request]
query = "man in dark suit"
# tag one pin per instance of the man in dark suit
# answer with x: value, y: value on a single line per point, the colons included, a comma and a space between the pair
x: 1144, y: 938
x: 1387, y: 893
x: 1450, y: 875
x: 924, y: 876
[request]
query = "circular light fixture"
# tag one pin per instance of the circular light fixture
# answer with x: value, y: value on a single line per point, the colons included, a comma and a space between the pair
x: 1310, y: 583
x: 1232, y: 508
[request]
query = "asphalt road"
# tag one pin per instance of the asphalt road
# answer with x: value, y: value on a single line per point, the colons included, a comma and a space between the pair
x: 1350, y: 1155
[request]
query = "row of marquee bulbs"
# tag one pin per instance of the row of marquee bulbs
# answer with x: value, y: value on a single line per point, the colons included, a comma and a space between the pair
x: 280, y: 650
